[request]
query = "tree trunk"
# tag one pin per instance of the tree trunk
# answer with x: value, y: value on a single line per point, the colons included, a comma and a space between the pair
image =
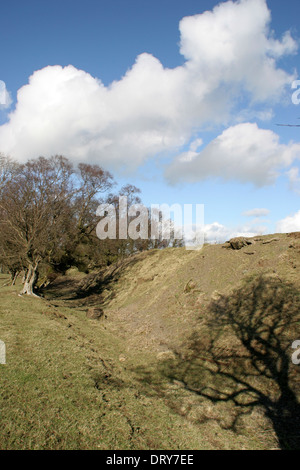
x: 30, y: 280
x: 14, y: 277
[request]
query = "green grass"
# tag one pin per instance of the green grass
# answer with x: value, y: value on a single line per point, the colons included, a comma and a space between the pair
x: 75, y: 383
x: 64, y: 387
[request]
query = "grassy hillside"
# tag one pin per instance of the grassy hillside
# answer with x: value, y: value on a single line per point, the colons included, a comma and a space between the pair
x: 192, y: 351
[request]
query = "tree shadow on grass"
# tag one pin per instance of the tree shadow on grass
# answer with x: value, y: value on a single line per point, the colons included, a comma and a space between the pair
x: 241, y: 356
x: 106, y: 279
x: 89, y: 290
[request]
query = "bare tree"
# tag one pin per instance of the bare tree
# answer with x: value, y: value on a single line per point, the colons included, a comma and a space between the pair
x: 33, y: 207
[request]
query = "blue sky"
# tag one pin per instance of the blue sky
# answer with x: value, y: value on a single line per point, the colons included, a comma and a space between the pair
x: 185, y: 109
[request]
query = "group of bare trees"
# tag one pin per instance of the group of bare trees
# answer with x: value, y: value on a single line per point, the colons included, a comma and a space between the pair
x: 48, y: 217
x: 45, y: 211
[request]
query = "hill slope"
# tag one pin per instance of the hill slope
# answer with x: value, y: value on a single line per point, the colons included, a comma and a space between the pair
x: 167, y: 364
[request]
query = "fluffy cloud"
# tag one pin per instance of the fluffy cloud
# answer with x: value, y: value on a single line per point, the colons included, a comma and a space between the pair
x: 153, y: 109
x: 294, y: 178
x: 289, y: 224
x: 232, y: 43
x: 243, y: 152
x: 256, y: 213
x: 65, y: 110
x: 219, y: 233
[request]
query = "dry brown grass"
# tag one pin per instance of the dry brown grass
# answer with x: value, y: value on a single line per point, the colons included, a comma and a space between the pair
x: 148, y: 364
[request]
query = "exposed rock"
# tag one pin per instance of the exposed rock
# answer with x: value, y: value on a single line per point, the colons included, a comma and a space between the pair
x: 294, y: 235
x: 94, y: 313
x: 141, y: 280
x: 216, y: 295
x: 239, y: 242
x: 270, y: 241
x: 190, y: 285
x: 226, y: 245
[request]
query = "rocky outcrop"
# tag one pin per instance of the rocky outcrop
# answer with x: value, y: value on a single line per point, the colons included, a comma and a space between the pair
x: 239, y: 242
x: 94, y: 313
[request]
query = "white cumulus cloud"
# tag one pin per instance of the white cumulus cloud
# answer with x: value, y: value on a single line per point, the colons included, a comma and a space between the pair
x: 289, y: 224
x: 256, y: 212
x: 219, y: 233
x: 294, y: 178
x: 233, y: 43
x: 153, y: 109
x: 243, y: 152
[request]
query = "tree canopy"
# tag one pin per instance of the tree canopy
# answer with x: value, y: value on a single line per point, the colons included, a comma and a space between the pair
x: 48, y: 218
